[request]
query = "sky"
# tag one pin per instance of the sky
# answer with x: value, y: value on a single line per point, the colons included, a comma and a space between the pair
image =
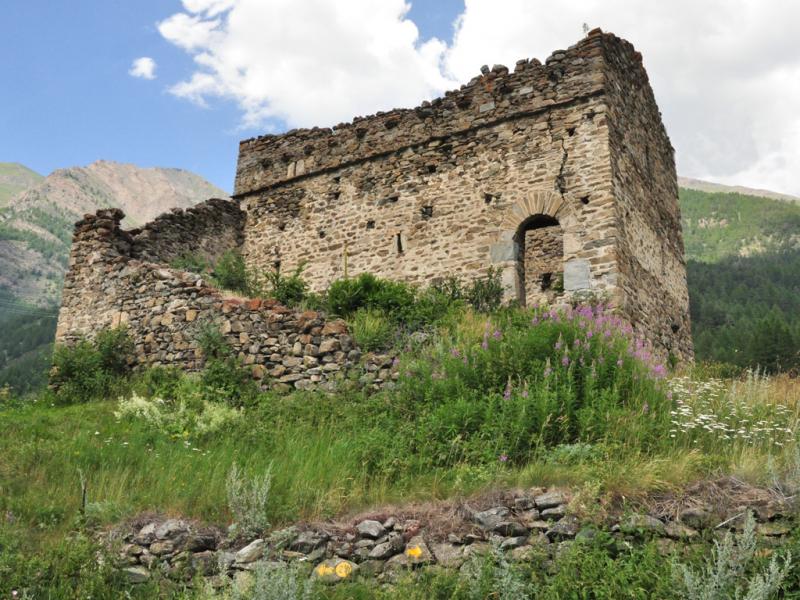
x: 178, y: 83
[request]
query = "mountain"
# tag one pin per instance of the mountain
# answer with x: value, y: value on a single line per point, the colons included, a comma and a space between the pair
x: 35, y: 235
x: 36, y: 228
x: 743, y: 268
x: 689, y: 183
x: 15, y: 178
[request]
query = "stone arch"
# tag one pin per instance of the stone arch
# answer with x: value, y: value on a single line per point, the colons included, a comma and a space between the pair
x: 539, y: 208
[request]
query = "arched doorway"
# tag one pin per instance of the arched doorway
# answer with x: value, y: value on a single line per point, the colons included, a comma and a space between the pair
x: 540, y: 260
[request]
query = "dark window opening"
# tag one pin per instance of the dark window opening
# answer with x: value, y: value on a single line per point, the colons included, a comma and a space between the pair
x: 487, y: 198
x: 399, y: 241
x: 427, y: 212
x: 547, y: 281
x: 571, y: 131
x: 321, y: 233
x: 675, y: 327
x: 431, y: 168
x: 370, y: 224
x: 276, y: 265
x: 336, y: 194
x: 585, y: 200
x: 282, y: 226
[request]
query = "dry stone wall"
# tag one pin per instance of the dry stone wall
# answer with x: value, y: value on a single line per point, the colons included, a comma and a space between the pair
x: 382, y: 546
x: 448, y: 187
x: 165, y: 309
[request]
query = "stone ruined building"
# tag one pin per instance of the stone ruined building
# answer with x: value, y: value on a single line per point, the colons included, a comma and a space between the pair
x: 560, y: 175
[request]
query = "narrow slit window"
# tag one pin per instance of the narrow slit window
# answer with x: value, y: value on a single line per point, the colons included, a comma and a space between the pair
x: 399, y: 241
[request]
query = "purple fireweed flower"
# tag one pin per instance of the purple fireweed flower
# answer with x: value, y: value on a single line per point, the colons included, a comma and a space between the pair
x: 497, y: 335
x: 535, y: 321
x: 577, y: 343
x: 464, y: 360
x: 565, y: 360
x: 454, y: 351
x: 485, y: 344
x: 524, y: 393
x: 503, y: 457
x: 589, y: 334
x: 659, y: 371
x: 559, y: 343
x: 507, y: 392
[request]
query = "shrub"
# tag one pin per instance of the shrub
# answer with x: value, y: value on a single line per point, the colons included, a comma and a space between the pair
x: 226, y: 380
x: 230, y: 272
x: 193, y: 263
x: 115, y: 348
x: 725, y: 573
x: 485, y: 294
x: 275, y: 580
x: 290, y: 290
x: 211, y: 341
x: 371, y: 329
x: 90, y: 369
x: 247, y: 501
x: 346, y: 296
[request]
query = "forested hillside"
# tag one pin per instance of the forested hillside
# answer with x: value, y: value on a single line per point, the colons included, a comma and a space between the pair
x: 743, y: 263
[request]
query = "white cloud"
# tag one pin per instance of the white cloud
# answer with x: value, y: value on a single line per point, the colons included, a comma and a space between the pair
x: 726, y: 73
x: 309, y: 62
x: 144, y: 68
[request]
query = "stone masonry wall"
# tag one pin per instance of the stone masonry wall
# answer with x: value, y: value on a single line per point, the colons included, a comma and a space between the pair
x: 447, y: 187
x: 165, y: 308
x: 651, y: 254
x: 443, y: 189
x: 207, y: 230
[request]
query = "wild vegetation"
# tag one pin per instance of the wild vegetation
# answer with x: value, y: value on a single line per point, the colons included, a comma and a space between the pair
x: 502, y: 398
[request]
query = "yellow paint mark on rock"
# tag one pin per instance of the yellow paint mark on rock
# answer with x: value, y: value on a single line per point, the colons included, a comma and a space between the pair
x: 343, y: 570
x: 324, y: 569
x: 414, y: 551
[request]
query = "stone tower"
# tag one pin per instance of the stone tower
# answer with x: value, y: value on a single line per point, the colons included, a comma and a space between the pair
x: 561, y: 175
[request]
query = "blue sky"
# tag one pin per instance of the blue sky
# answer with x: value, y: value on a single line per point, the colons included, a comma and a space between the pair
x: 66, y: 97
x: 726, y: 73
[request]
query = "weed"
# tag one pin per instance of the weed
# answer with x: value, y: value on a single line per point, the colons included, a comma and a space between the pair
x: 247, y: 500
x: 371, y: 329
x: 724, y: 574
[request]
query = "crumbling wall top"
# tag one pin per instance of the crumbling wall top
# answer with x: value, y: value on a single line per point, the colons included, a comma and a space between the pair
x: 496, y: 95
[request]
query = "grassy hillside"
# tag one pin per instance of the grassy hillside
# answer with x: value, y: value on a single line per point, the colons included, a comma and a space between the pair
x: 488, y: 401
x: 743, y: 264
x: 15, y: 178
